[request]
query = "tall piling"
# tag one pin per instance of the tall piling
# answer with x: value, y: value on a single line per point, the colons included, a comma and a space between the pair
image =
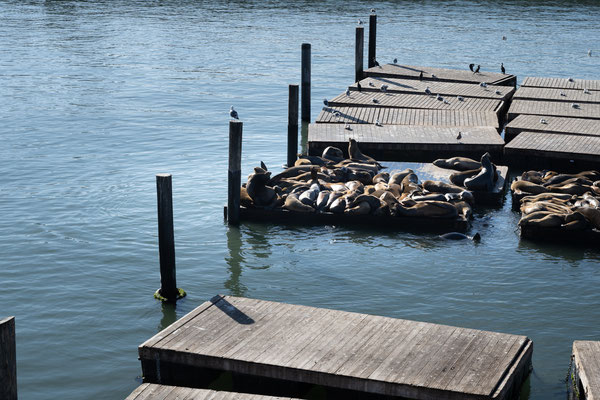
x: 234, y: 179
x: 292, y: 139
x: 8, y: 359
x: 305, y: 82
x: 359, y: 53
x: 372, y: 39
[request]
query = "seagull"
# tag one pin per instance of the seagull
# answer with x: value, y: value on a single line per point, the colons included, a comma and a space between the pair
x: 483, y: 85
x: 446, y: 101
x: 384, y: 88
x: 358, y: 86
x: 347, y: 127
x: 571, y: 80
x: 563, y: 93
x: 438, y: 97
x: 575, y: 105
x: 372, y: 11
x: 503, y: 37
x: 325, y: 102
x: 233, y: 114
x: 543, y: 121
x: 459, y: 136
x: 502, y: 69
x: 348, y: 92
x: 377, y: 123
x: 421, y: 76
x: 371, y: 84
x: 471, y: 67
x: 427, y: 91
x: 477, y: 69
x: 589, y: 53
x: 395, y: 61
x: 498, y: 92
x: 375, y: 100
x: 460, y: 98
x: 586, y: 91
x: 433, y: 76
x: 376, y: 64
x: 360, y: 22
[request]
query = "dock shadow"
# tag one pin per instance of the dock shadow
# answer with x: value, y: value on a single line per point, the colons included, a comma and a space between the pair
x: 231, y: 311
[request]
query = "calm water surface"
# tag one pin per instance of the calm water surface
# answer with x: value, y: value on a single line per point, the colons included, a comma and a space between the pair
x: 98, y: 97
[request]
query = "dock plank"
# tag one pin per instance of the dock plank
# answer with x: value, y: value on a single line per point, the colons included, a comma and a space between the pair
x: 555, y: 146
x: 152, y: 391
x: 337, y: 349
x: 587, y: 361
x: 563, y: 95
x: 441, y: 74
x: 561, y: 83
x: 406, y: 116
x: 554, y: 109
x: 565, y: 125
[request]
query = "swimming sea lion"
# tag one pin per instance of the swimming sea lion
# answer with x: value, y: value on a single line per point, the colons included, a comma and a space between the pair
x: 460, y: 236
x: 457, y: 163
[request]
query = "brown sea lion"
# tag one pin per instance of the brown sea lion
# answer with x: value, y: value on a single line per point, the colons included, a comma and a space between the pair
x: 430, y: 209
x: 388, y: 198
x: 563, y: 197
x: 457, y: 163
x: 441, y: 187
x: 382, y: 177
x: 355, y: 154
x: 527, y: 187
x: 484, y: 180
x: 548, y: 221
x: 293, y: 204
x: 533, y: 176
x: 333, y: 154
x: 575, y: 222
x: 464, y: 209
x: 396, y: 178
x: 458, y: 178
x: 591, y: 214
x: 361, y: 208
x: 570, y: 188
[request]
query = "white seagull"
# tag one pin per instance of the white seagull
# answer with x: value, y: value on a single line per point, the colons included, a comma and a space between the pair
x: 586, y: 91
x: 233, y: 114
x: 347, y: 127
x: 427, y: 91
x: 543, y: 121
x: 377, y: 123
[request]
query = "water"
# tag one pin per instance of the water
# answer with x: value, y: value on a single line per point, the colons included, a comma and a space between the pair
x: 98, y: 97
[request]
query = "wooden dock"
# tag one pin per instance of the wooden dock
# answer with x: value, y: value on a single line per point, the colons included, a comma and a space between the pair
x: 554, y: 123
x: 358, y: 355
x: 150, y: 391
x: 409, y: 142
x: 587, y: 366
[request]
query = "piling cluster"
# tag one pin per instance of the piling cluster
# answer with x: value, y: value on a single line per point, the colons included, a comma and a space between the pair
x: 548, y: 199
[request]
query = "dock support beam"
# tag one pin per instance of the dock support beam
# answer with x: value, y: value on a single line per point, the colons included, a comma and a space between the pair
x: 305, y: 82
x: 234, y: 181
x: 166, y: 240
x: 292, y: 148
x: 8, y: 359
x: 359, y: 53
x: 372, y: 39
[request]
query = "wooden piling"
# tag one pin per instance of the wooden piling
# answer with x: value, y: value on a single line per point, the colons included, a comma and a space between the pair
x: 8, y: 359
x: 235, y: 172
x: 359, y: 53
x: 292, y: 148
x: 305, y: 82
x: 372, y: 39
x: 166, y: 239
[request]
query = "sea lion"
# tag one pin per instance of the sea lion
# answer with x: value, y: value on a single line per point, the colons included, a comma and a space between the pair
x: 464, y: 209
x: 293, y: 204
x: 528, y: 208
x: 458, y: 178
x: 314, y: 160
x: 355, y: 154
x: 290, y: 173
x: 388, y: 198
x: 309, y: 197
x: 460, y: 236
x: 465, y: 195
x: 546, y: 220
x: 372, y: 169
x: 570, y: 188
x: 245, y: 200
x: 333, y: 153
x: 338, y: 205
x: 383, y: 211
x: 261, y: 195
x: 591, y: 214
x: 527, y: 187
x: 355, y: 186
x: 373, y: 201
x: 457, y: 163
x: 431, y: 196
x: 430, y: 209
x: 575, y: 222
x: 533, y: 176
x: 547, y: 196
x: 484, y: 180
x: 361, y: 208
x: 322, y: 200
x: 382, y: 177
x: 333, y: 197
x: 441, y: 187
x: 359, y: 175
x: 397, y: 177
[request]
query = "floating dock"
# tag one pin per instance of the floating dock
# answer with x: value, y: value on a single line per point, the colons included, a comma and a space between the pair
x: 396, y: 116
x: 586, y: 359
x: 150, y: 391
x: 554, y: 123
x: 287, y: 346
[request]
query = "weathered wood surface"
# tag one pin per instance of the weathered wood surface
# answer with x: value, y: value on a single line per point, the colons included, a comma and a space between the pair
x: 8, y: 359
x: 563, y: 95
x: 421, y: 101
x: 441, y: 74
x: 399, y: 116
x: 451, y: 89
x: 531, y: 123
x: 555, y: 145
x: 340, y: 349
x: 561, y: 83
x: 151, y: 391
x: 554, y: 109
x: 587, y: 362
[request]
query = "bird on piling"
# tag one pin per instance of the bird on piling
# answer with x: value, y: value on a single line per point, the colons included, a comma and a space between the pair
x: 395, y: 61
x: 360, y: 22
x: 325, y: 102
x: 358, y: 87
x: 372, y: 11
x: 502, y: 69
x: 427, y: 91
x: 233, y: 114
x: 471, y: 67
x: 477, y: 69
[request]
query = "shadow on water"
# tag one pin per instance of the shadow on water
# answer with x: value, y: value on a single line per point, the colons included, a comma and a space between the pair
x: 169, y: 315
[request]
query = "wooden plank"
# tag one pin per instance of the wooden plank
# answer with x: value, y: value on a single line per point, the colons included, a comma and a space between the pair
x: 562, y: 146
x: 531, y: 123
x: 440, y: 74
x: 562, y: 95
x: 553, y: 108
x: 338, y: 349
x: 561, y: 83
x: 152, y: 391
x: 587, y: 362
x: 354, y: 115
x: 446, y: 89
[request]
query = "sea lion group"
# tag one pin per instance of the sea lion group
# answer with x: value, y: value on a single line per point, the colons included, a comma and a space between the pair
x: 480, y: 176
x: 552, y: 200
x: 353, y: 186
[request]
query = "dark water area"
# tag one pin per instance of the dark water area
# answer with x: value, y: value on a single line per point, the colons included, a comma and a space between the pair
x: 99, y: 96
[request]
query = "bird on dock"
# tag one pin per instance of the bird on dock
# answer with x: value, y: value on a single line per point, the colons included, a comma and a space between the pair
x: 471, y: 67
x: 571, y: 80
x: 375, y: 100
x: 427, y: 91
x: 358, y: 87
x: 348, y: 92
x: 371, y: 84
x: 326, y: 102
x: 543, y: 121
x: 575, y: 105
x: 483, y: 85
x: 347, y: 127
x: 445, y: 101
x: 376, y: 64
x: 477, y: 69
x: 384, y: 88
x: 395, y: 61
x: 438, y: 97
x: 586, y: 91
x: 377, y: 123
x: 460, y: 98
x: 563, y: 93
x: 433, y: 76
x: 459, y: 136
x: 233, y: 114
x: 421, y: 76
x: 498, y: 92
x: 502, y: 69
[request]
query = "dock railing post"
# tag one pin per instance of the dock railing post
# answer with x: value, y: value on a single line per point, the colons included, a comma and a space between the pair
x: 292, y: 148
x: 359, y: 53
x: 166, y: 240
x: 305, y: 82
x: 234, y: 179
x: 372, y: 39
x: 8, y: 359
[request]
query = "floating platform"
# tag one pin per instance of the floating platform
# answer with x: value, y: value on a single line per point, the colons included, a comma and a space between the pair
x: 560, y: 95
x: 561, y: 83
x: 587, y: 237
x: 285, y: 346
x: 586, y: 359
x: 400, y: 116
x: 553, y: 109
x: 408, y: 142
x: 531, y: 123
x: 441, y: 74
x: 150, y: 391
x: 410, y: 224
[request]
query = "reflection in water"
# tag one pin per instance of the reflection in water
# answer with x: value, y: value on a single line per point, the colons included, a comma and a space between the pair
x: 168, y: 315
x: 234, y: 261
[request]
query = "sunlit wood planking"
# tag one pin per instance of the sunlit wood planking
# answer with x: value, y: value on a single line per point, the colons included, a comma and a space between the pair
x: 150, y: 391
x: 553, y: 108
x: 442, y: 74
x: 587, y: 363
x: 578, y: 126
x: 561, y: 83
x: 563, y: 95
